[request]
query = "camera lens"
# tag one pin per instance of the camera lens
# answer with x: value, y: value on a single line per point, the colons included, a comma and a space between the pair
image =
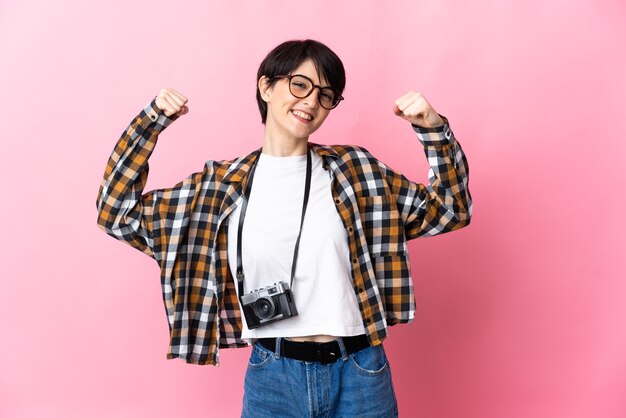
x: 264, y: 308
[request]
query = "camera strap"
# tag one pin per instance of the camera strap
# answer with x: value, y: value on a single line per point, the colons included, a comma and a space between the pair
x: 244, y: 207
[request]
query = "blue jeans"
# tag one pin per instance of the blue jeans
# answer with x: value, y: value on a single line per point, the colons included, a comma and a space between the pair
x: 357, y: 385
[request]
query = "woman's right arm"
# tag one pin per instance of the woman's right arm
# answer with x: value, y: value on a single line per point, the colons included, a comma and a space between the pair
x: 123, y: 211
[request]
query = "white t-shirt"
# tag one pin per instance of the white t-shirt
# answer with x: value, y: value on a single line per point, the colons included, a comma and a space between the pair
x: 322, y: 287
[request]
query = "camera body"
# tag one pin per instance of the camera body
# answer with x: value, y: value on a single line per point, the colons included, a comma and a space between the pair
x: 269, y: 304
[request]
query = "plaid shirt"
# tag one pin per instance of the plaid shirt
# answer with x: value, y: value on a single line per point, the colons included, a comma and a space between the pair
x: 184, y: 228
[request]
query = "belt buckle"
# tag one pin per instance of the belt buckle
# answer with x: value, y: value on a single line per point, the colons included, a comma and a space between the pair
x: 328, y: 352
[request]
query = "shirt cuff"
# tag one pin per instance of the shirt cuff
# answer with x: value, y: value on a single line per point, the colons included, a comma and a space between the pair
x: 437, y: 136
x: 154, y: 117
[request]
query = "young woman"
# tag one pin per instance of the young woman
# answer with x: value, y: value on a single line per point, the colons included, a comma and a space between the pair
x: 297, y: 249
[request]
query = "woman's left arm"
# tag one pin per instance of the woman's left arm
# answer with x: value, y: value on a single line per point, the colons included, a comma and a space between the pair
x: 445, y: 204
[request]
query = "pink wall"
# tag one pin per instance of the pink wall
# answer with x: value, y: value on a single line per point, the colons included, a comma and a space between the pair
x: 520, y: 315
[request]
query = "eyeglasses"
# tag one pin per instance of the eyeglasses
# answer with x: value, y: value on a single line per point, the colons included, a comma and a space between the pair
x: 302, y: 86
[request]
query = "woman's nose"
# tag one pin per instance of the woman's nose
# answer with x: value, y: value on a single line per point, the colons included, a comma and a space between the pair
x: 313, y: 98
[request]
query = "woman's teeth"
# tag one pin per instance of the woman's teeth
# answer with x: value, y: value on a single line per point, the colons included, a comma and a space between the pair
x: 302, y: 115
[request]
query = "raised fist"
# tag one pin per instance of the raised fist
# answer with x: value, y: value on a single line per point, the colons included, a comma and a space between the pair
x: 414, y: 107
x: 171, y: 102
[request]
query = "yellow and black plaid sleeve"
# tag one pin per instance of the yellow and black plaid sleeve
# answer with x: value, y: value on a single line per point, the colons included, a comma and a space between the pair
x: 123, y: 212
x: 445, y: 204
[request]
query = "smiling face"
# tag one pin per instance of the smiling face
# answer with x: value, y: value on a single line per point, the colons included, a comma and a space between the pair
x: 290, y: 119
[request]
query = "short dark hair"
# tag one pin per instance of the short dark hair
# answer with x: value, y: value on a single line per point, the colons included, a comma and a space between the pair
x: 287, y: 56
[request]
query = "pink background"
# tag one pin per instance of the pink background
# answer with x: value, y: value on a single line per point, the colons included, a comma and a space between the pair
x: 519, y: 315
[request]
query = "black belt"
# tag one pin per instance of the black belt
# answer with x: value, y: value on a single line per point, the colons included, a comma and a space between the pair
x: 325, y: 353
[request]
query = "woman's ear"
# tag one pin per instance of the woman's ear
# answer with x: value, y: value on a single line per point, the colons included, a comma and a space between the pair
x: 265, y: 88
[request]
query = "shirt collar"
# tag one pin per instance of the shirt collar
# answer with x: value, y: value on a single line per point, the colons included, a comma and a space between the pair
x: 238, y: 170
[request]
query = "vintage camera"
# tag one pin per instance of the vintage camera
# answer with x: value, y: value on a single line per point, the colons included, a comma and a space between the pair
x: 269, y: 304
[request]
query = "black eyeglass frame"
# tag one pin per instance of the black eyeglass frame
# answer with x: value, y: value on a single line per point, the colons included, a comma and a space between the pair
x: 319, y: 99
